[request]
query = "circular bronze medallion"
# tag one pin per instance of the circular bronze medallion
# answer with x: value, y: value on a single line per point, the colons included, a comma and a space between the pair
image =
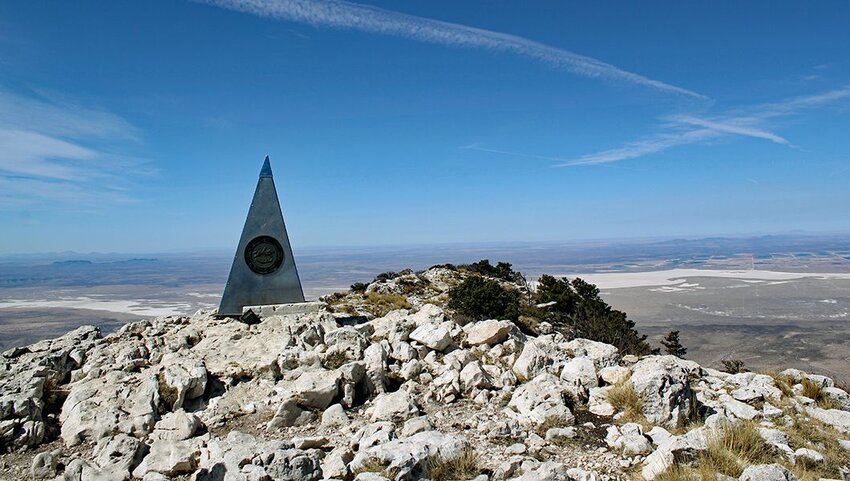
x: 264, y: 254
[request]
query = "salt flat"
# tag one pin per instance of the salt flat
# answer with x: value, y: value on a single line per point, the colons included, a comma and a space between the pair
x: 671, y: 277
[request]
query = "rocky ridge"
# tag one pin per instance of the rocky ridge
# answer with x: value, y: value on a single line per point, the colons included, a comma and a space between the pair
x: 413, y: 394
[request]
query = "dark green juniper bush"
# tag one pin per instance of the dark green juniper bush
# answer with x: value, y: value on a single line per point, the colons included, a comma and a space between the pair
x: 673, y: 346
x: 578, y: 311
x: 481, y: 298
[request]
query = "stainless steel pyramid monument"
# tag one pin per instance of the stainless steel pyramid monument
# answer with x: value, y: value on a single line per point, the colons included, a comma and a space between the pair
x: 263, y: 270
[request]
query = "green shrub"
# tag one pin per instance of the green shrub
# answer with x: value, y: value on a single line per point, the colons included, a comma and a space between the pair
x: 502, y: 270
x: 673, y: 346
x: 386, y: 276
x: 580, y: 312
x: 359, y: 287
x: 481, y: 298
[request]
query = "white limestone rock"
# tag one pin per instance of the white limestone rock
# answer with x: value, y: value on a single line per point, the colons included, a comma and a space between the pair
x: 614, y: 374
x: 170, y: 458
x: 807, y: 456
x: 628, y: 439
x: 396, y: 406
x: 435, y: 337
x: 767, y: 472
x: 113, y: 403
x: 537, y: 355
x: 404, y: 456
x: 334, y: 416
x: 663, y: 384
x: 838, y: 396
x: 316, y: 389
x: 737, y: 408
x: 489, y: 332
x: 473, y: 376
x: 603, y: 355
x: 185, y: 374
x: 120, y: 451
x: 597, y: 402
x: 541, y: 400
x: 836, y: 418
x: 579, y: 375
x: 177, y: 425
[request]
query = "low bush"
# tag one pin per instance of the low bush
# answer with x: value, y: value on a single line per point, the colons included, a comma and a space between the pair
x: 733, y: 366
x: 480, y: 298
x: 579, y: 311
x: 502, y: 270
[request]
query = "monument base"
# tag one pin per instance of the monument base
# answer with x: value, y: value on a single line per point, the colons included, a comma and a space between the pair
x: 285, y: 309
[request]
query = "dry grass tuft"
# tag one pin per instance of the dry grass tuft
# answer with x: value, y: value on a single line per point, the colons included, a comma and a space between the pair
x: 814, y: 391
x: 810, y: 433
x: 463, y: 467
x: 381, y: 304
x: 783, y: 382
x: 729, y: 453
x: 679, y: 473
x: 625, y: 399
x: 811, y: 389
x: 373, y: 465
x: 737, y: 447
x: 167, y: 394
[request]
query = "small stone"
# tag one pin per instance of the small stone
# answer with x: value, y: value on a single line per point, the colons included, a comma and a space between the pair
x: 335, y: 416
x: 516, y: 448
x: 560, y: 434
x: 807, y: 456
x: 43, y: 465
x: 308, y: 442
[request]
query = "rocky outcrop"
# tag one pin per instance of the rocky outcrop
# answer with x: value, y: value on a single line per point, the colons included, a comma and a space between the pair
x: 321, y: 395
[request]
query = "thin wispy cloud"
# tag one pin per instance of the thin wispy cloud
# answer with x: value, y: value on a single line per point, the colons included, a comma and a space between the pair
x: 366, y: 18
x: 57, y: 152
x: 730, y: 128
x: 748, y: 122
x: 478, y: 147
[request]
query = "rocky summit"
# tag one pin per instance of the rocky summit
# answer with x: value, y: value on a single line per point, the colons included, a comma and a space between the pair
x: 386, y: 382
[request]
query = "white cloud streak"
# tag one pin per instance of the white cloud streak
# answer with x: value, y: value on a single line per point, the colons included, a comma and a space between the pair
x: 730, y: 128
x: 742, y: 122
x: 366, y: 18
x: 59, y: 153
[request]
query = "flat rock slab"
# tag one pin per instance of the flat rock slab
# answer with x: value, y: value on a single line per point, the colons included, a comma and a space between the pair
x: 285, y: 309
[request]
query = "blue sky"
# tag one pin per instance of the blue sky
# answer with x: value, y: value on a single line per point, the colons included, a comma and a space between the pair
x: 141, y: 126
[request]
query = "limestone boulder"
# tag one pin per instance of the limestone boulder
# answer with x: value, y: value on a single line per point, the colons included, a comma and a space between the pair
x: 433, y: 336
x: 767, y: 472
x: 579, y: 375
x: 183, y: 377
x: 316, y: 389
x: 663, y: 383
x: 603, y: 355
x: 177, y: 425
x: 169, y: 458
x: 113, y: 403
x: 396, y: 406
x: 838, y: 419
x: 489, y: 332
x: 407, y: 455
x: 538, y: 355
x: 542, y: 400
